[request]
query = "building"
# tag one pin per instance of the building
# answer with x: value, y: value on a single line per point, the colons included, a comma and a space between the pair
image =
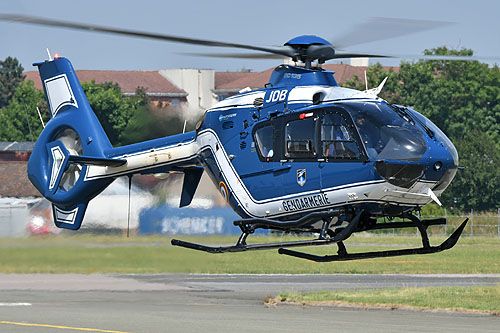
x: 14, y: 181
x: 197, y: 89
x: 198, y: 83
x: 158, y: 88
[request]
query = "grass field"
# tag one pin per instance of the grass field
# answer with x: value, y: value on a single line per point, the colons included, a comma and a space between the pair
x: 451, y: 298
x: 86, y: 254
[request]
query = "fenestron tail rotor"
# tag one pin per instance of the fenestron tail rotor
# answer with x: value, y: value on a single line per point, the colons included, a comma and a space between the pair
x: 73, y: 144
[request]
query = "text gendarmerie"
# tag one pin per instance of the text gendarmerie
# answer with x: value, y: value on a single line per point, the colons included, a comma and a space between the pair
x: 310, y: 201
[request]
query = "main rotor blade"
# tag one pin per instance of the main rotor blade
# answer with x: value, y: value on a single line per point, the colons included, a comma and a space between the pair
x: 338, y: 55
x: 237, y: 55
x: 343, y: 55
x: 178, y: 39
x: 381, y: 28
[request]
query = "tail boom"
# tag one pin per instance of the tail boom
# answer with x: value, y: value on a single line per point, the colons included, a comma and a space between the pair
x: 73, y: 160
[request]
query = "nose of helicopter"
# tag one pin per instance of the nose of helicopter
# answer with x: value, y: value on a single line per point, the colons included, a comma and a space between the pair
x: 441, y: 157
x: 437, y: 166
x: 443, y: 164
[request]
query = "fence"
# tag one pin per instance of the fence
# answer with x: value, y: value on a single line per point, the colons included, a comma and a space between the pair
x: 480, y: 224
x: 14, y: 219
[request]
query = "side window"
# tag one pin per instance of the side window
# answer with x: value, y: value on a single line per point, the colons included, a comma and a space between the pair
x: 300, y: 138
x: 264, y: 139
x: 337, y: 140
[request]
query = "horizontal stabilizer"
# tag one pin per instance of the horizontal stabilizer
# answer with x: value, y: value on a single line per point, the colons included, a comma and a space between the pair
x: 96, y: 161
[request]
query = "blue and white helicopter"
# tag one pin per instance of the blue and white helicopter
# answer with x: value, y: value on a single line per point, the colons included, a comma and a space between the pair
x: 301, y: 155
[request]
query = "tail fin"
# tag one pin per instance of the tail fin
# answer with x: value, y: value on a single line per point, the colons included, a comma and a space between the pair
x: 72, y: 139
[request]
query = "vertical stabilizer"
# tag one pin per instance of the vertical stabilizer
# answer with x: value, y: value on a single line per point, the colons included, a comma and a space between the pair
x: 72, y: 134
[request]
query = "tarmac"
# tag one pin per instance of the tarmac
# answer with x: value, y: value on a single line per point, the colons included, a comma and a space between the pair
x: 218, y: 303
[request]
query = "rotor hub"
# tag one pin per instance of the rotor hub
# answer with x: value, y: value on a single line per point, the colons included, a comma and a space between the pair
x: 309, y: 48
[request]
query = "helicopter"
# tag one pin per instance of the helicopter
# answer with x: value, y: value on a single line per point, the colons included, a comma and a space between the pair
x: 301, y: 155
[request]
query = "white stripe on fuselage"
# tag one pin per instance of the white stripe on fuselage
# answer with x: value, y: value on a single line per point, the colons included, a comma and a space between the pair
x: 369, y: 191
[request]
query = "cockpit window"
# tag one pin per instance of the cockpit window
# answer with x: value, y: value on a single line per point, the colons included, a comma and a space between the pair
x: 438, y: 133
x: 264, y: 138
x: 300, y: 138
x: 337, y: 139
x: 386, y: 134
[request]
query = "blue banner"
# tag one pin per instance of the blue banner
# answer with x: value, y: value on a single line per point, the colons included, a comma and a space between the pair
x: 189, y: 221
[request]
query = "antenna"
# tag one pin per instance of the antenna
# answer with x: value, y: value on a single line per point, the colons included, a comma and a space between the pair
x: 40, y: 115
x: 48, y: 52
x: 184, y: 129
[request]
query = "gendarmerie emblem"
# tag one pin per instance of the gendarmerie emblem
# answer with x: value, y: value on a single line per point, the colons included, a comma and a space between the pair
x: 301, y: 177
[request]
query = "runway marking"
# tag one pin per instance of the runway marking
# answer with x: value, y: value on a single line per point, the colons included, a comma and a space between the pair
x: 15, y: 304
x: 398, y: 261
x: 203, y: 304
x: 61, y: 327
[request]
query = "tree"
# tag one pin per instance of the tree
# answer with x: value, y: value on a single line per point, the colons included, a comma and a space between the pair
x: 375, y: 74
x: 457, y: 96
x: 113, y: 110
x: 147, y: 124
x: 477, y: 186
x: 11, y: 74
x: 21, y: 115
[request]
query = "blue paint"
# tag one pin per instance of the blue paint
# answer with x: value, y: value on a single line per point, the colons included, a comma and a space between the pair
x: 291, y: 76
x: 308, y: 40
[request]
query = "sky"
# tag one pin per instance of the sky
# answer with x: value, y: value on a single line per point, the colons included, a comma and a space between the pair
x: 475, y: 25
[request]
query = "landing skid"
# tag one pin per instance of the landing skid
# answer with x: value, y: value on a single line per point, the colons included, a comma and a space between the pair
x: 344, y: 256
x: 328, y: 236
x: 241, y: 245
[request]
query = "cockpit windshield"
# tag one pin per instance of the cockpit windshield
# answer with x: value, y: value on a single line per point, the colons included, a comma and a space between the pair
x: 387, y: 133
x: 438, y: 133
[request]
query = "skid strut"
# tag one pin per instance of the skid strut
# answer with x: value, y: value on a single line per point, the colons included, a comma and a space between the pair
x: 241, y: 245
x: 344, y: 256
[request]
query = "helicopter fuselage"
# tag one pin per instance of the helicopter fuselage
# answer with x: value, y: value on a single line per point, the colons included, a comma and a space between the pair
x: 290, y: 149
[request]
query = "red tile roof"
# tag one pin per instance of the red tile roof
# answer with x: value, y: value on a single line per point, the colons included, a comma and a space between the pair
x: 222, y: 78
x: 343, y: 72
x: 224, y: 81
x: 253, y: 80
x: 153, y: 81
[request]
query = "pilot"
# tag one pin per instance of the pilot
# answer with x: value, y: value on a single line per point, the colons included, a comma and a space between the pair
x: 336, y: 148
